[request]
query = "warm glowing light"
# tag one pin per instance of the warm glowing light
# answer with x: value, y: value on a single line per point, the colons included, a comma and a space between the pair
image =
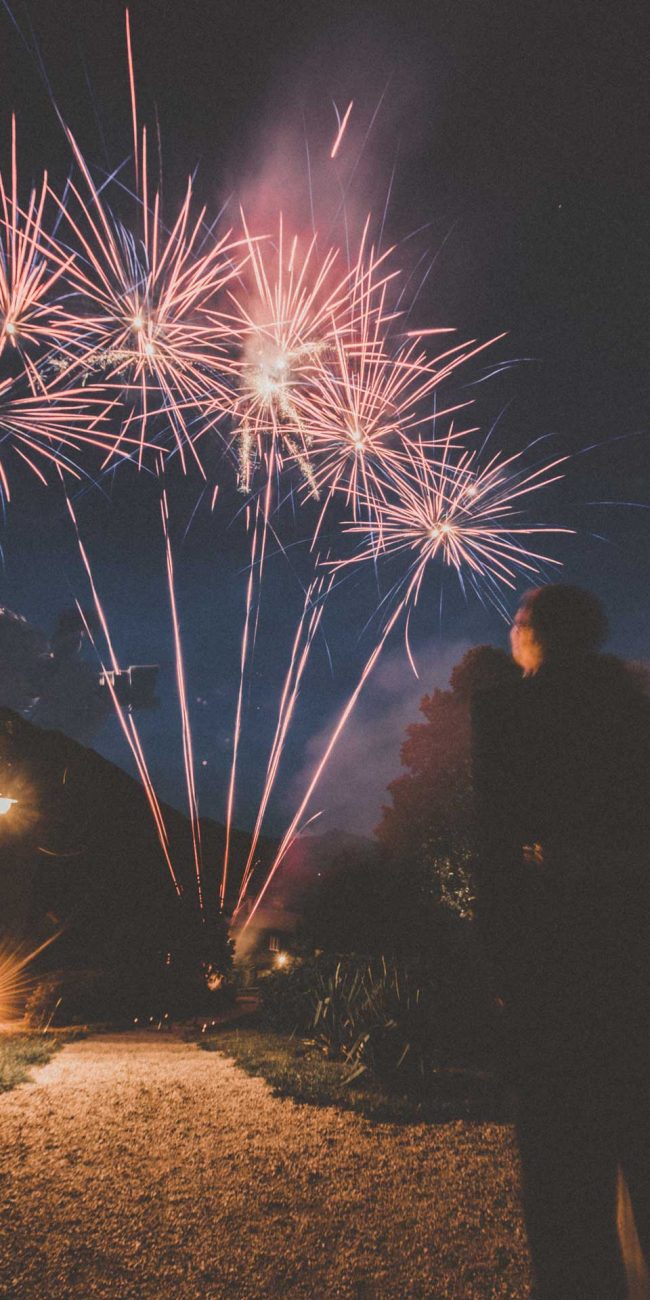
x: 266, y: 379
x: 282, y: 959
x: 10, y: 328
x: 6, y: 804
x: 15, y: 976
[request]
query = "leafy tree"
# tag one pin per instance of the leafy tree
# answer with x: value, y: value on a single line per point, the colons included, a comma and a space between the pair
x: 426, y: 830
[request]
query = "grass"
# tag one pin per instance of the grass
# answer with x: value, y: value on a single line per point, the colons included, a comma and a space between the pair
x: 19, y: 1052
x: 295, y: 1068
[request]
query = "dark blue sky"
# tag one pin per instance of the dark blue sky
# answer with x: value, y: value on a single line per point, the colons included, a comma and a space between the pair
x: 520, y: 134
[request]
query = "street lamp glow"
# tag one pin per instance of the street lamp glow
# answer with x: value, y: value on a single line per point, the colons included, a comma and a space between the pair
x: 282, y: 958
x: 6, y: 804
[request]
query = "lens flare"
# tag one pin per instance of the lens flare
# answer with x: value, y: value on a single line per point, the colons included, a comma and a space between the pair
x: 16, y: 978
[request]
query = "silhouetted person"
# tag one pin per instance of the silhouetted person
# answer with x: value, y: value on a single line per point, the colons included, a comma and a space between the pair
x: 561, y: 774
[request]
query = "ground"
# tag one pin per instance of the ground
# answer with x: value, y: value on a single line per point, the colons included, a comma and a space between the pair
x: 135, y: 1165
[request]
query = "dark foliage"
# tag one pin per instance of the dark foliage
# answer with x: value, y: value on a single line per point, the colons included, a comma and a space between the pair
x: 124, y: 996
x: 296, y: 1068
x: 287, y: 997
x: 81, y: 857
x: 19, y: 1053
x: 430, y: 815
x: 381, y: 1017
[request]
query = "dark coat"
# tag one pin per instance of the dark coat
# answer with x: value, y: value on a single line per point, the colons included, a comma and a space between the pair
x: 561, y: 769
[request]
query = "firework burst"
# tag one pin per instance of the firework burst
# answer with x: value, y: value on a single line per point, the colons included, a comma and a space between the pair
x: 367, y: 400
x: 139, y: 316
x: 30, y: 268
x: 50, y: 427
x: 137, y: 333
x: 290, y: 320
x: 442, y: 504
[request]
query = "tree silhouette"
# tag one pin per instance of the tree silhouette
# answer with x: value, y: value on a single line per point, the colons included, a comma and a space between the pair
x: 426, y: 830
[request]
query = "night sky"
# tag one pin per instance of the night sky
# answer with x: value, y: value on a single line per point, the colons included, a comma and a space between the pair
x: 518, y: 135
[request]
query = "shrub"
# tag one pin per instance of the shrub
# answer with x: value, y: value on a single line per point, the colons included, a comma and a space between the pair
x: 287, y: 997
x: 377, y: 1016
x: 72, y: 997
x: 19, y: 1052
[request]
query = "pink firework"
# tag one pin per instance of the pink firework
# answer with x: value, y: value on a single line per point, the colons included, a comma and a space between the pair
x: 292, y: 315
x: 369, y: 397
x: 443, y: 505
x: 140, y: 311
x: 31, y: 267
x: 50, y: 427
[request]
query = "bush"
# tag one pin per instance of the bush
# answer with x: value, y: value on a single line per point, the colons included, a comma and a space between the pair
x: 379, y: 1017
x: 287, y: 997
x: 73, y: 997
x: 70, y: 997
x: 19, y: 1052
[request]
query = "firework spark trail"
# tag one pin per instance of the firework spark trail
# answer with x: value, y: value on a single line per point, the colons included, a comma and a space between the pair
x: 188, y: 752
x: 147, y: 328
x: 134, y: 106
x: 261, y: 528
x: 270, y: 409
x: 341, y: 130
x: 293, y: 829
x: 127, y: 722
x: 41, y: 425
x: 303, y: 639
x: 29, y: 270
x: 238, y: 714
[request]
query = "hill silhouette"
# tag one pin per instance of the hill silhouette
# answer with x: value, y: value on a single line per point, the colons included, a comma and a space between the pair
x: 79, y: 852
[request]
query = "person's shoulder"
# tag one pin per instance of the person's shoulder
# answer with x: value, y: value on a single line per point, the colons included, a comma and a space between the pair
x: 618, y: 679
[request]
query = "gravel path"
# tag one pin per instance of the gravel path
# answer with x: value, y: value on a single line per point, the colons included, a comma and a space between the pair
x: 137, y: 1166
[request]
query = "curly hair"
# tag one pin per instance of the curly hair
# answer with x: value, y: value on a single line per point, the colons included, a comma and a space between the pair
x: 566, y: 620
